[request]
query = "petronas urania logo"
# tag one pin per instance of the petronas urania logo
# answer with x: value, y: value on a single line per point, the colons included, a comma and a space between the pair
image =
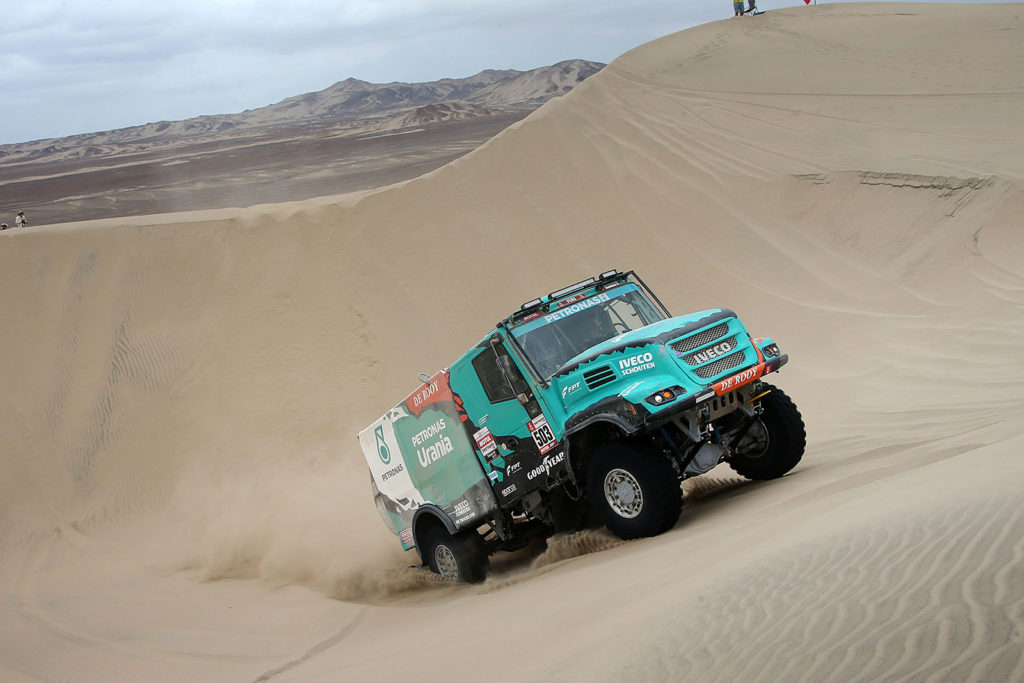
x: 382, y: 447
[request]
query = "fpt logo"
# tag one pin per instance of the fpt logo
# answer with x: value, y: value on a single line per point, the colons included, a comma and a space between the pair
x: 382, y: 446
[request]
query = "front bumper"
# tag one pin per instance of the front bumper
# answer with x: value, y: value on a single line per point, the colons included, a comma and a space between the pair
x: 740, y: 379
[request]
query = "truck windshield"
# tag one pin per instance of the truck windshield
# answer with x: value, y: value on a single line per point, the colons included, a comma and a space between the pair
x: 551, y: 339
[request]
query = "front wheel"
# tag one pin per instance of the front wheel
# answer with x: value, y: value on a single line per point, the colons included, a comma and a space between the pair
x: 634, y: 490
x: 774, y: 442
x: 461, y: 558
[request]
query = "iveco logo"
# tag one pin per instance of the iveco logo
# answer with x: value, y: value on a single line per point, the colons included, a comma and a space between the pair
x: 708, y: 354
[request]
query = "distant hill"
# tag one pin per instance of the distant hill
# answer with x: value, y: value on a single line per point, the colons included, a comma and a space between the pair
x: 354, y: 104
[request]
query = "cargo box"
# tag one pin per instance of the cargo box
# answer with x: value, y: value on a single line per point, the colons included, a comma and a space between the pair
x: 421, y: 456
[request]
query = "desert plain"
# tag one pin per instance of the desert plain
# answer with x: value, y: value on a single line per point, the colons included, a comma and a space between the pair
x: 182, y: 496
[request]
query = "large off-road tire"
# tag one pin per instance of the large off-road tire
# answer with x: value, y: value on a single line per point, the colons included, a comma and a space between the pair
x: 461, y: 558
x: 634, y: 490
x: 774, y: 443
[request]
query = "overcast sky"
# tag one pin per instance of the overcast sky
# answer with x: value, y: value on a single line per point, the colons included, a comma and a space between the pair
x: 79, y: 66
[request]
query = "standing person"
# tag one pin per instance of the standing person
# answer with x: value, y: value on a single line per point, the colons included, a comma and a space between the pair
x: 737, y: 8
x: 19, y: 220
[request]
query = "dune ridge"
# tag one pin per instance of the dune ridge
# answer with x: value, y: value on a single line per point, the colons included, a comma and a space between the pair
x: 182, y: 496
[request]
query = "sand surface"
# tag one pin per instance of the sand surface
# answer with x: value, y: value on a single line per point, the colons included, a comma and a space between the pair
x: 182, y: 496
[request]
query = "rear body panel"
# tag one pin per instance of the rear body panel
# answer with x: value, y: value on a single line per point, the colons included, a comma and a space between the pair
x: 420, y: 452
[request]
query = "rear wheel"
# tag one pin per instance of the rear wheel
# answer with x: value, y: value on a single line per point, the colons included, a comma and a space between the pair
x: 461, y: 558
x: 634, y: 490
x: 775, y: 441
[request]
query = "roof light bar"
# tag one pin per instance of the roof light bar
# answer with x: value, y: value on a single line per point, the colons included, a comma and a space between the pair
x: 530, y: 304
x: 565, y: 290
x: 570, y: 288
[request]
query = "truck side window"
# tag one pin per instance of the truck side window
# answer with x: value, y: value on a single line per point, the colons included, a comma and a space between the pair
x: 493, y: 382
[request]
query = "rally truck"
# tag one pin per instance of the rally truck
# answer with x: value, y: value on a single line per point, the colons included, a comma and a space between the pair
x: 585, y: 407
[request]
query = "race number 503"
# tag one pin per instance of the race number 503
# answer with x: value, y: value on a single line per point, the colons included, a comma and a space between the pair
x: 542, y: 435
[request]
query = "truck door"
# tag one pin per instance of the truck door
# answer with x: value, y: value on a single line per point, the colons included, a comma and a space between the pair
x: 517, y: 446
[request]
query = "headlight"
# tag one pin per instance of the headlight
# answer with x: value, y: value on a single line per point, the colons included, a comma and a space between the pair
x: 771, y: 350
x: 664, y: 396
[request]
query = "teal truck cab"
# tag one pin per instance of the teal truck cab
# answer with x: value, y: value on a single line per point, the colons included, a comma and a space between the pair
x: 587, y: 406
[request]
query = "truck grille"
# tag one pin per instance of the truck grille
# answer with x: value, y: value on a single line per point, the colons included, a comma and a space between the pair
x: 702, y: 338
x: 598, y: 377
x: 694, y: 349
x: 695, y: 359
x: 720, y: 365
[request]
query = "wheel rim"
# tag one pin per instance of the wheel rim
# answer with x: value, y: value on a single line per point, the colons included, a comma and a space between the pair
x: 623, y: 493
x: 444, y: 560
x: 754, y: 443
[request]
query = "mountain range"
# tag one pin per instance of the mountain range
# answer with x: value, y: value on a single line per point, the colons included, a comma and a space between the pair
x: 352, y: 105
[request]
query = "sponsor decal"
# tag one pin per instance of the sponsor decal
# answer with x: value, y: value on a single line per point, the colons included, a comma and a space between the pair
x: 546, y: 465
x: 576, y: 307
x: 508, y: 490
x: 421, y: 396
x: 572, y: 388
x: 638, y: 363
x: 436, y: 450
x: 513, y: 468
x: 739, y: 379
x: 462, y: 508
x: 492, y: 475
x: 406, y: 536
x: 713, y: 352
x: 382, y: 447
x: 485, y: 442
x: 434, y: 429
x: 392, y: 472
x: 573, y: 299
x: 437, y: 390
x: 542, y: 435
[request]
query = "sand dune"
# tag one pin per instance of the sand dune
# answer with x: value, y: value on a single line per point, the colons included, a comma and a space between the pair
x: 182, y: 496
